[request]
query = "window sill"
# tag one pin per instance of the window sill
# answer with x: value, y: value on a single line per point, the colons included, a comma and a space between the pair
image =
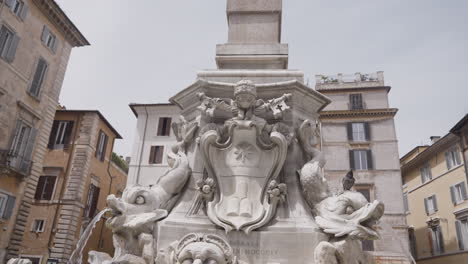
x: 35, y: 97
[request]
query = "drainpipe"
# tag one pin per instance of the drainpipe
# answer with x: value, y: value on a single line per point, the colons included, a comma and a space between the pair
x: 110, y: 188
x: 142, y: 147
x: 66, y: 174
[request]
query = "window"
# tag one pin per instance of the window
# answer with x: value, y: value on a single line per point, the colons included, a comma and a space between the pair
x: 358, y: 131
x: 8, y: 44
x: 458, y: 193
x: 39, y: 77
x: 101, y: 146
x: 60, y: 134
x: 355, y: 102
x: 49, y: 39
x: 430, y: 204
x: 405, y: 202
x: 52, y: 261
x: 412, y: 242
x: 360, y: 159
x: 18, y: 7
x: 22, y: 147
x: 452, y: 157
x: 7, y: 203
x: 164, y: 126
x: 156, y: 154
x: 38, y: 226
x: 436, y: 240
x: 91, y: 203
x: 45, y: 188
x: 426, y: 174
x: 462, y: 233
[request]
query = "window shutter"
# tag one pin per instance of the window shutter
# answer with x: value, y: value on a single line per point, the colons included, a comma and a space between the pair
x: 26, y: 161
x: 55, y: 45
x: 40, y: 188
x: 369, y: 159
x: 452, y: 194
x: 457, y: 156
x: 45, y: 33
x: 3, y: 35
x: 9, y: 207
x: 49, y: 187
x: 367, y: 131
x: 434, y: 199
x: 459, y: 235
x: 159, y: 154
x: 431, y: 242
x: 53, y: 134
x: 39, y: 77
x: 441, y: 239
x: 15, y: 137
x: 350, y: 131
x: 103, y: 155
x: 96, y: 154
x: 463, y: 190
x: 152, y: 152
x: 24, y: 11
x: 168, y: 126
x: 425, y: 206
x: 160, y: 126
x: 12, y: 49
x: 10, y: 3
x: 93, y: 208
x: 447, y: 160
x: 351, y: 160
x: 68, y: 135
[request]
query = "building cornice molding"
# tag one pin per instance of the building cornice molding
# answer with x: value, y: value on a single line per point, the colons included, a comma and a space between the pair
x: 56, y: 15
x: 326, y: 90
x: 384, y: 112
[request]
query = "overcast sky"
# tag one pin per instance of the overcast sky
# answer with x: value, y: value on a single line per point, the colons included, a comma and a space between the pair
x: 144, y: 51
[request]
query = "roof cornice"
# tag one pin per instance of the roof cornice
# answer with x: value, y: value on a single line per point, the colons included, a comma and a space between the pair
x: 56, y: 15
x: 384, y: 112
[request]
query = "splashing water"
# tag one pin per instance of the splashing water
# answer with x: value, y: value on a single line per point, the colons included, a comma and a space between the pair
x: 77, y: 255
x: 399, y: 241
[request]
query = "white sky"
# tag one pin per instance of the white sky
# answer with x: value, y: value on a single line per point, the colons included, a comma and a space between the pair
x: 144, y: 51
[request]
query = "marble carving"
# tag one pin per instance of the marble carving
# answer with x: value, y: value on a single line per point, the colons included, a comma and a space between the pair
x: 244, y: 157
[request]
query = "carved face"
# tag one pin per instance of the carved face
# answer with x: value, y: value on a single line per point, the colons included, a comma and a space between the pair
x: 202, y: 253
x: 245, y: 100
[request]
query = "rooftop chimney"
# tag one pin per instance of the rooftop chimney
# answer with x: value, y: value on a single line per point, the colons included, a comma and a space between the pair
x: 434, y: 139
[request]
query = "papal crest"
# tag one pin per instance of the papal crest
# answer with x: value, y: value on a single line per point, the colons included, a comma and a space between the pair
x: 244, y: 168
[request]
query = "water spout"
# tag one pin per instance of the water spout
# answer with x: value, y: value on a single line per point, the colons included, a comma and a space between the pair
x: 77, y: 255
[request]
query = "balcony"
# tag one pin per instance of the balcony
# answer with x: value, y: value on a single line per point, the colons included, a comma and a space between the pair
x: 14, y: 164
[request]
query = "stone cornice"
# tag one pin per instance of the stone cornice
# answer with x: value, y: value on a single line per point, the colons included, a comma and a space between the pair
x: 56, y: 15
x: 384, y: 112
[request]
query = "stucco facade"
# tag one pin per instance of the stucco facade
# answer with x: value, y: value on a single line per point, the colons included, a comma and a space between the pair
x: 74, y: 167
x: 359, y: 121
x: 37, y: 39
x: 435, y: 183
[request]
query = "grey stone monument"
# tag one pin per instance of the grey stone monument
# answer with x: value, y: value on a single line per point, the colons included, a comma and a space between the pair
x: 245, y: 183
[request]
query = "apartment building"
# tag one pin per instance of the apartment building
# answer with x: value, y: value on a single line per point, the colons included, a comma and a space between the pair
x: 36, y: 38
x: 436, y: 200
x: 154, y: 137
x: 78, y: 174
x: 358, y: 133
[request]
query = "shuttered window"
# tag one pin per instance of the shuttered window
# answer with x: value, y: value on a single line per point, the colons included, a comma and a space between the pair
x: 426, y: 173
x: 156, y: 154
x: 101, y: 146
x: 452, y: 158
x: 405, y: 202
x: 19, y: 8
x: 60, y: 134
x: 8, y: 44
x: 164, y: 126
x: 458, y: 193
x: 355, y: 102
x: 358, y: 131
x: 39, y: 77
x: 430, y: 204
x: 360, y: 159
x: 49, y: 39
x: 91, y: 202
x: 436, y: 240
x: 462, y: 233
x: 22, y: 147
x: 7, y: 204
x: 45, y: 187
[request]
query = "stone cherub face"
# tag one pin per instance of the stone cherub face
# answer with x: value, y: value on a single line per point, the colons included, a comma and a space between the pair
x: 245, y: 94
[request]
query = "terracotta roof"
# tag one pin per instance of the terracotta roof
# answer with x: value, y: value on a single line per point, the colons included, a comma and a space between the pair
x: 96, y: 112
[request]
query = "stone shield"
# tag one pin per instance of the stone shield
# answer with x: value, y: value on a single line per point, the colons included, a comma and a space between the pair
x: 242, y: 167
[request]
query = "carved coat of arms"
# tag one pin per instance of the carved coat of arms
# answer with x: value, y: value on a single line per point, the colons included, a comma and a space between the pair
x: 244, y: 160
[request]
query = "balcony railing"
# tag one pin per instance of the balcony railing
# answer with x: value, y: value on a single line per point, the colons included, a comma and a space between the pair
x: 9, y: 162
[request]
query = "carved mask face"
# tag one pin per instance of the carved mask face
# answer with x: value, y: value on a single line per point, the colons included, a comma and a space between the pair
x: 245, y: 100
x: 202, y: 253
